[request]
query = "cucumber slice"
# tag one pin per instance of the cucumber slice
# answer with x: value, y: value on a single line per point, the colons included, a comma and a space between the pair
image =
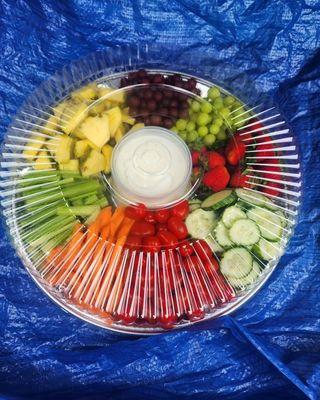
x: 221, y: 199
x: 247, y: 280
x: 243, y: 205
x: 194, y: 204
x: 214, y: 245
x: 231, y: 214
x: 200, y: 223
x: 256, y: 199
x: 267, y: 250
x: 221, y: 234
x: 282, y: 217
x: 269, y: 223
x: 244, y: 232
x: 236, y: 263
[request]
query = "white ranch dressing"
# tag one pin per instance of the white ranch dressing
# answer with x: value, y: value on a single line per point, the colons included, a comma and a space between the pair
x: 152, y: 165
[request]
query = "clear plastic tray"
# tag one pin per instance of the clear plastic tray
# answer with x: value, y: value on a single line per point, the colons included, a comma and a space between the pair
x: 140, y: 288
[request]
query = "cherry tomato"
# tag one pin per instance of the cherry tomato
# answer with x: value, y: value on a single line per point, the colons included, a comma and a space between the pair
x: 211, y: 264
x: 149, y: 217
x: 152, y: 243
x: 186, y: 249
x: 161, y: 215
x: 142, y: 228
x: 167, y: 238
x: 203, y: 250
x: 180, y: 210
x: 136, y: 212
x: 177, y: 227
x: 133, y: 242
x: 161, y: 227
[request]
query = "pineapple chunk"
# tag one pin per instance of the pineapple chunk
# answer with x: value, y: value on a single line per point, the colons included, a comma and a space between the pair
x: 81, y: 148
x: 78, y: 133
x: 115, y: 117
x: 72, y: 165
x: 64, y: 149
x: 127, y: 119
x: 119, y: 133
x: 98, y: 107
x: 74, y: 113
x: 115, y: 98
x: 58, y: 110
x: 107, y: 152
x: 52, y: 144
x: 94, y: 164
x: 136, y: 127
x: 51, y: 126
x: 96, y: 129
x: 33, y: 146
x: 43, y: 161
x: 87, y: 93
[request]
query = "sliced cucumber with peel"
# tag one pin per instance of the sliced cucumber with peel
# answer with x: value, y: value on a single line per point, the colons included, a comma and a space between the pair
x: 200, y: 223
x: 214, y: 245
x: 231, y: 214
x: 247, y: 280
x: 267, y: 250
x: 221, y: 234
x: 255, y: 199
x: 194, y: 204
x: 244, y: 232
x: 269, y: 223
x: 221, y: 199
x: 236, y: 263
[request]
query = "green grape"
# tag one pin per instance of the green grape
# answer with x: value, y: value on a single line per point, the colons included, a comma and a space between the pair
x: 218, y: 103
x: 203, y: 119
x: 209, y: 140
x: 195, y: 106
x: 206, y: 107
x: 225, y: 112
x: 213, y: 93
x: 203, y: 131
x: 174, y: 129
x: 190, y: 126
x: 218, y: 121
x: 181, y: 124
x: 183, y: 135
x: 228, y: 100
x: 222, y: 135
x: 192, y: 136
x: 193, y: 117
x: 214, y: 129
x: 236, y: 105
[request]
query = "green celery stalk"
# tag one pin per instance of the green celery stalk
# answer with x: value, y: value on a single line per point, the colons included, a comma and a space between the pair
x: 45, y: 238
x: 81, y: 211
x: 93, y: 199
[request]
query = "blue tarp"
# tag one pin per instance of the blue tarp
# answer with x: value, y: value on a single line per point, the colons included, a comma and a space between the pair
x: 270, y: 348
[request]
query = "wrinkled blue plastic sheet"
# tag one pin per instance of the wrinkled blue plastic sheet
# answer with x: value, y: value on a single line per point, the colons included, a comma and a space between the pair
x: 270, y: 348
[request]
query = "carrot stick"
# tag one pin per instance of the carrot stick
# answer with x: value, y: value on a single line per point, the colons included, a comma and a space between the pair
x: 105, y: 232
x: 116, y: 221
x: 104, y: 217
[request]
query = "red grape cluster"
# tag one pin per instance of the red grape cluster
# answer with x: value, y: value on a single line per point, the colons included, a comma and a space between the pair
x: 155, y: 104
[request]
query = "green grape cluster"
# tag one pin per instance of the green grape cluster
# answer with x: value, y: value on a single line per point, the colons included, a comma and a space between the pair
x: 210, y: 119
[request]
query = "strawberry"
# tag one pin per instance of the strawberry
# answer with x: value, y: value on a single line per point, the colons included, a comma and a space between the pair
x: 245, y: 136
x: 267, y: 171
x: 239, y: 179
x: 195, y: 155
x: 217, y: 178
x: 272, y: 188
x: 235, y: 150
x: 215, y: 159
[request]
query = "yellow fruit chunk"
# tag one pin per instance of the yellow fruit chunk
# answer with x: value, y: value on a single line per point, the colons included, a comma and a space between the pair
x: 72, y: 165
x: 114, y: 98
x: 58, y: 110
x: 98, y: 107
x: 115, y: 119
x: 51, y: 126
x: 107, y: 152
x: 119, y: 133
x: 136, y: 127
x: 87, y: 93
x: 52, y: 144
x: 127, y: 119
x: 94, y: 164
x: 33, y: 146
x: 96, y: 129
x: 64, y: 149
x: 73, y: 114
x: 81, y: 148
x: 43, y: 161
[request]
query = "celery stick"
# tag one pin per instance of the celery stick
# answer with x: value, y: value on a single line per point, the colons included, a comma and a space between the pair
x: 45, y: 238
x: 103, y: 202
x: 56, y: 241
x: 81, y: 196
x: 92, y: 217
x: 91, y: 200
x: 81, y: 211
x: 79, y: 188
x: 78, y: 202
x: 36, y: 219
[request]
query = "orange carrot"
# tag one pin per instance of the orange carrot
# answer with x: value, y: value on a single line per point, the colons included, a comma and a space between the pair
x: 104, y: 217
x: 105, y: 232
x: 116, y: 221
